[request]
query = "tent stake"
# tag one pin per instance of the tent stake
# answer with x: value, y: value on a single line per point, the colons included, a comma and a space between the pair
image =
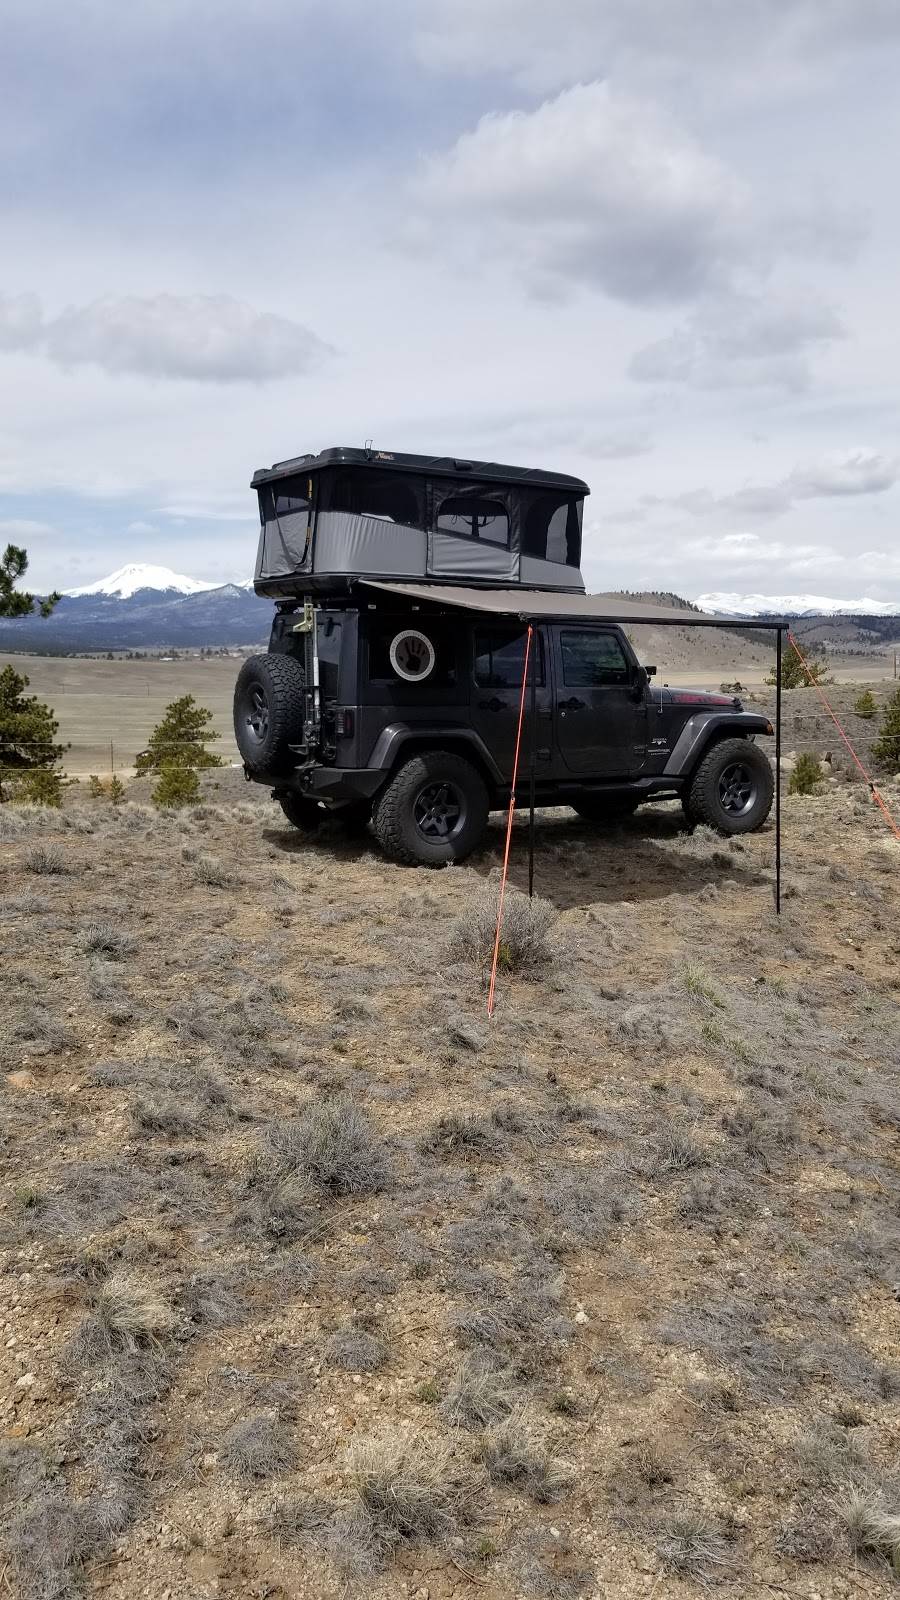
x: 778, y: 656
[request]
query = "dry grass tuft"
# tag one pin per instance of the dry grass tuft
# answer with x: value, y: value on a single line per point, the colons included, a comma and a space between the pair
x: 515, y: 1451
x: 46, y: 861
x: 106, y: 940
x: 408, y: 1486
x: 257, y: 1448
x: 131, y: 1310
x: 333, y: 1144
x: 873, y: 1530
x: 524, y: 937
x: 694, y: 1547
x: 480, y: 1395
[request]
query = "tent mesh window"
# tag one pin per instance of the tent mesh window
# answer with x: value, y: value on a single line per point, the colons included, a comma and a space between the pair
x: 390, y: 497
x: 471, y: 516
x: 552, y: 529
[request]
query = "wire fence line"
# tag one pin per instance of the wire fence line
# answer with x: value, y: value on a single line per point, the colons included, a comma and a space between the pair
x: 104, y: 757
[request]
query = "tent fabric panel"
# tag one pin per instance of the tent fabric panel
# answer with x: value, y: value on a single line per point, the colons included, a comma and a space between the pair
x: 552, y: 574
x: 282, y: 543
x: 452, y: 557
x: 347, y: 542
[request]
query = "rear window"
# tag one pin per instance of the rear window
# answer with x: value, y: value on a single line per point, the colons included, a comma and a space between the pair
x: 471, y: 516
x: 500, y: 658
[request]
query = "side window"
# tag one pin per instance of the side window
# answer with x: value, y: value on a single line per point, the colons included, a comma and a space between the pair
x: 389, y: 496
x: 591, y: 659
x: 500, y: 658
x: 471, y: 517
x: 435, y: 661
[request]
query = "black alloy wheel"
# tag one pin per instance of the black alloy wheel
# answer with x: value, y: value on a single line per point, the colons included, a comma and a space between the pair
x: 440, y: 811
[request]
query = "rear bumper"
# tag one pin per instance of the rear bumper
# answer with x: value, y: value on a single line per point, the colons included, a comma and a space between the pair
x: 338, y: 784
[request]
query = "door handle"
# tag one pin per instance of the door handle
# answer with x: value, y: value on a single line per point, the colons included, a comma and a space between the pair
x: 571, y: 705
x: 492, y: 705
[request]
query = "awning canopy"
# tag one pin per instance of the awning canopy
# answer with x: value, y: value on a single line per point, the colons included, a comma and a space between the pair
x: 542, y: 605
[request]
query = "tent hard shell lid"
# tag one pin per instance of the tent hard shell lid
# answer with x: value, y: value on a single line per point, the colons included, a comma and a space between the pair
x: 328, y: 519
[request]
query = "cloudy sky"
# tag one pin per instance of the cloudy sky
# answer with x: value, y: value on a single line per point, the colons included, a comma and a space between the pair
x: 652, y: 242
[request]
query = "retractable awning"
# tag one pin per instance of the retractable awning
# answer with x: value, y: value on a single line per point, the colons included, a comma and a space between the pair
x: 541, y: 604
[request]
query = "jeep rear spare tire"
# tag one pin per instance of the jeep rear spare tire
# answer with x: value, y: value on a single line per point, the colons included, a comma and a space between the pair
x: 269, y: 713
x: 433, y: 810
x: 732, y: 788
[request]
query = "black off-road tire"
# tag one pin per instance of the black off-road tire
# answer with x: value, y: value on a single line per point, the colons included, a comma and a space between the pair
x: 732, y: 788
x: 301, y: 812
x: 269, y: 712
x: 305, y: 813
x: 605, y: 808
x: 402, y: 811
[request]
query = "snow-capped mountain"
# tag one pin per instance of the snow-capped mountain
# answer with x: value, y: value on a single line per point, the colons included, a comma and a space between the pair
x: 144, y: 607
x: 794, y: 605
x: 130, y: 580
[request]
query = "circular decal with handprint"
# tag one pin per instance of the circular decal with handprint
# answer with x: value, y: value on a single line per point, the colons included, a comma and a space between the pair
x: 412, y: 655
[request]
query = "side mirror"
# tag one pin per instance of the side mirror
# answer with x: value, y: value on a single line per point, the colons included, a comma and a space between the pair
x: 650, y: 671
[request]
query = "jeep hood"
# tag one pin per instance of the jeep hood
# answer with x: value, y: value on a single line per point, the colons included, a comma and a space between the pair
x: 699, y: 699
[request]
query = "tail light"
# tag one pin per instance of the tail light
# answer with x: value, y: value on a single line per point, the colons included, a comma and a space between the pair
x: 345, y: 723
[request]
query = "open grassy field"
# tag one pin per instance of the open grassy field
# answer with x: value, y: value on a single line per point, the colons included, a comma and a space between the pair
x: 315, y: 1282
x: 107, y: 709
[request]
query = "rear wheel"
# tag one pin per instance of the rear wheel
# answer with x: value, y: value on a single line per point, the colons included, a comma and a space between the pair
x: 308, y: 815
x: 608, y: 808
x: 433, y: 810
x: 269, y: 711
x: 732, y: 788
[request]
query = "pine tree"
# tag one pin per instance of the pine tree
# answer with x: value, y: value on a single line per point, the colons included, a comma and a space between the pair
x: 28, y: 731
x: 806, y: 775
x: 865, y: 706
x: 796, y: 674
x: 180, y: 740
x: 177, y: 786
x: 886, y: 749
x: 17, y: 602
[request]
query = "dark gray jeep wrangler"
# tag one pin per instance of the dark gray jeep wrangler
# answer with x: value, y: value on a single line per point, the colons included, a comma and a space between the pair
x: 392, y: 700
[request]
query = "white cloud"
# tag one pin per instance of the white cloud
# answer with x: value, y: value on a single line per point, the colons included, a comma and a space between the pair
x: 593, y: 188
x: 15, y: 528
x: 851, y: 472
x: 737, y: 341
x: 758, y: 48
x: 208, y: 338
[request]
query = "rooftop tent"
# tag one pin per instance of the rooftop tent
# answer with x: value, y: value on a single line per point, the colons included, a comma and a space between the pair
x: 329, y: 519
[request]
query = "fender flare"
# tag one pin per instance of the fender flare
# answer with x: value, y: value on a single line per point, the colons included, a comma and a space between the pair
x: 398, y: 736
x: 700, y: 731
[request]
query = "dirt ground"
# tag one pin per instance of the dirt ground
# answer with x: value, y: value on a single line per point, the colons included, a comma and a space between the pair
x: 316, y: 1282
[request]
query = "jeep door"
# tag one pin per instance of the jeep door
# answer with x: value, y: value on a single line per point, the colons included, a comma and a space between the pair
x: 600, y: 704
x: 497, y: 664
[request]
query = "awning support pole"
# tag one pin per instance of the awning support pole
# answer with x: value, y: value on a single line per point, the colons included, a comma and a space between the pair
x: 532, y: 761
x: 778, y: 662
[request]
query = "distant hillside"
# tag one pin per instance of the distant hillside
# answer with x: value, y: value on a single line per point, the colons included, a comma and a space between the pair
x: 144, y: 618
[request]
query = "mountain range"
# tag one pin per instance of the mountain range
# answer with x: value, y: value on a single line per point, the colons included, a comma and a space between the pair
x: 143, y: 607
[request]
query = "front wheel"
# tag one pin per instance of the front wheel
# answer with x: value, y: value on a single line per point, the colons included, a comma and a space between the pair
x: 732, y: 788
x: 432, y: 811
